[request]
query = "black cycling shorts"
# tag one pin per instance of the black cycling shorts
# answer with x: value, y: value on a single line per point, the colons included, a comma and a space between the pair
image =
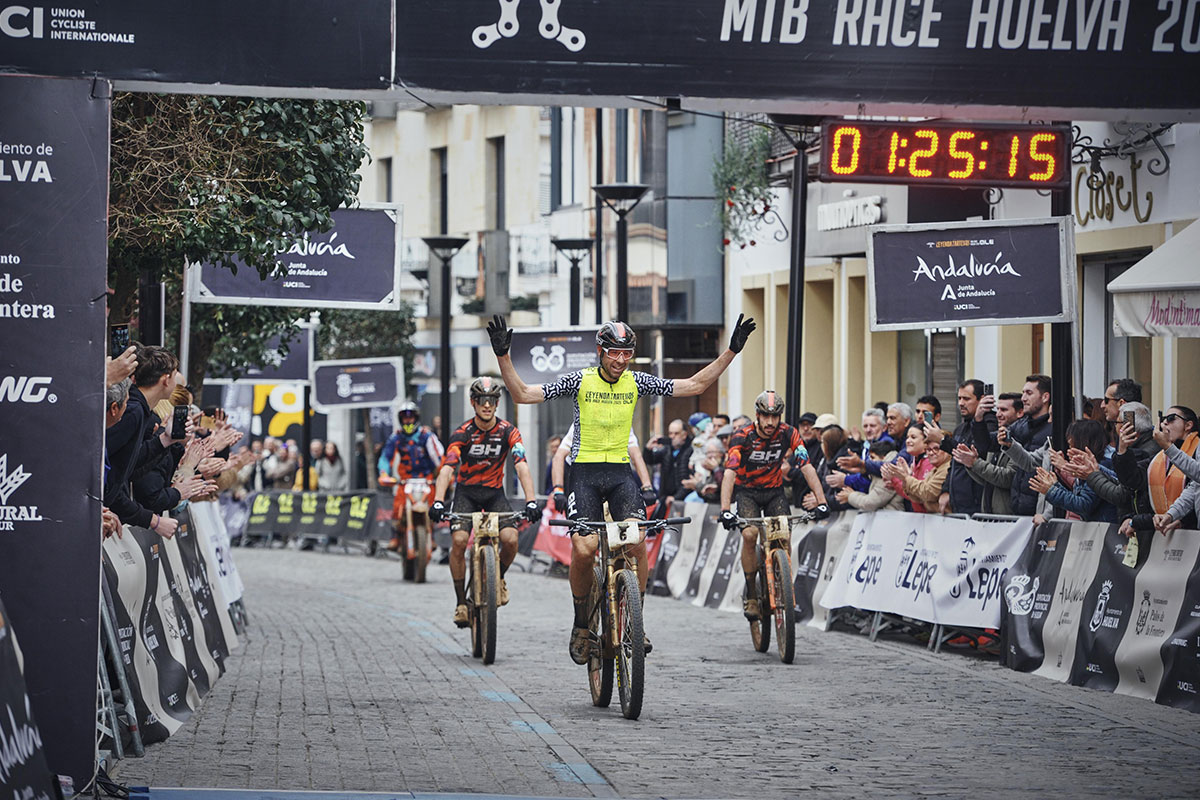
x: 593, y: 483
x: 469, y: 499
x: 761, y: 503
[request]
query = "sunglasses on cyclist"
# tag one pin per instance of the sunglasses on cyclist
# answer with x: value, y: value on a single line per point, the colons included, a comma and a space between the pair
x: 619, y: 353
x: 484, y: 400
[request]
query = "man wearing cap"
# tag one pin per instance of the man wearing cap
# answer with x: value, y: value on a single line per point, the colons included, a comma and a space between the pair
x: 477, y: 452
x: 754, y: 478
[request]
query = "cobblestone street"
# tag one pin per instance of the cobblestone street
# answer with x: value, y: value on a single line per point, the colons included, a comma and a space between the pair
x: 354, y: 680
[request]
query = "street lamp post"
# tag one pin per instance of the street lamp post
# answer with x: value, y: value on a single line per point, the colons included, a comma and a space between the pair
x: 622, y: 198
x: 444, y: 247
x: 574, y: 250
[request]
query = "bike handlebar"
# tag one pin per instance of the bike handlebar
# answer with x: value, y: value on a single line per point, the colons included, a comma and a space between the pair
x: 651, y: 524
x: 805, y: 517
x: 508, y: 519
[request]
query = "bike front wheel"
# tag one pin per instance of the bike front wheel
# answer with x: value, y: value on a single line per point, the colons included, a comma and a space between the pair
x: 600, y: 666
x: 487, y: 606
x: 631, y: 643
x: 785, y: 607
x: 760, y: 629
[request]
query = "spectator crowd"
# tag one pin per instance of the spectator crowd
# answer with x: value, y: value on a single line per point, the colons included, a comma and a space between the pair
x: 162, y: 451
x: 1119, y: 463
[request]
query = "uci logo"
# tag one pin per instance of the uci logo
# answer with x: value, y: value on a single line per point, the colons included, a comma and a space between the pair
x: 21, y: 21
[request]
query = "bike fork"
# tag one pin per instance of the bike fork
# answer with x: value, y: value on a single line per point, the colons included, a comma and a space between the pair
x: 770, y: 573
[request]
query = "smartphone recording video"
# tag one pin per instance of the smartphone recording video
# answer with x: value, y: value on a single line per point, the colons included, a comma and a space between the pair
x: 118, y: 340
x: 179, y: 418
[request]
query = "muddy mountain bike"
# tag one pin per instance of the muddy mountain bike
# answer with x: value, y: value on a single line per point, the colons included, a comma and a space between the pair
x: 773, y: 583
x: 483, y: 577
x: 618, y: 636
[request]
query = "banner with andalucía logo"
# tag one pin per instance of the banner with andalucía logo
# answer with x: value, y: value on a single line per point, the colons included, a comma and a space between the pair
x: 936, y: 569
x: 971, y: 273
x: 355, y: 264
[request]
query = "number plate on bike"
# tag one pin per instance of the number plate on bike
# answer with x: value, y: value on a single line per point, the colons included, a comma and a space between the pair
x: 486, y: 523
x: 623, y: 533
x: 775, y: 528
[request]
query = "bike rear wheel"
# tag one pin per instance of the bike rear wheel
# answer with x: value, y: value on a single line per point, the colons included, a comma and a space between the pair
x: 631, y: 644
x: 487, y: 606
x: 760, y: 629
x: 785, y: 607
x: 600, y: 666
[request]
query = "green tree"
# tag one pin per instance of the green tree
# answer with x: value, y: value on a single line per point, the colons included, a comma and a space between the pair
x: 222, y: 180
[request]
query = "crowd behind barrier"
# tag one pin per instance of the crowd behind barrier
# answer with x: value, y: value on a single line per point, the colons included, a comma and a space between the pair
x: 1062, y: 597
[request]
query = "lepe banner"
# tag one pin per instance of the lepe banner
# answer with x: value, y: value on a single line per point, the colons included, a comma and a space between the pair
x: 53, y: 205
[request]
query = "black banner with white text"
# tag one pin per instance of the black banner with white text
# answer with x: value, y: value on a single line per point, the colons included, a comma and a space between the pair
x: 53, y: 253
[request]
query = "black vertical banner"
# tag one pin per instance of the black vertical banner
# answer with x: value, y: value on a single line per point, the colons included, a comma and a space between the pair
x: 810, y: 557
x: 1180, y: 685
x: 1107, y: 608
x: 194, y: 564
x: 23, y: 769
x: 53, y: 206
x: 1029, y: 596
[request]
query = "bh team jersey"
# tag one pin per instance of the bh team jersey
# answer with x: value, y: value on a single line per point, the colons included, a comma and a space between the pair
x: 479, y: 455
x: 604, y: 411
x: 757, y: 460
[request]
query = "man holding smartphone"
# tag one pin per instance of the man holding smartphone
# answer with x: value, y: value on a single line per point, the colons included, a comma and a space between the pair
x: 977, y: 426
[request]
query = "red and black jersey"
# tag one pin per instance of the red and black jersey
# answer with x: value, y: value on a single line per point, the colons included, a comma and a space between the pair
x: 757, y: 460
x: 479, y: 455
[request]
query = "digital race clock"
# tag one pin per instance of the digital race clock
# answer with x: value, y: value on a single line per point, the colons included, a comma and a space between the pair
x: 946, y: 153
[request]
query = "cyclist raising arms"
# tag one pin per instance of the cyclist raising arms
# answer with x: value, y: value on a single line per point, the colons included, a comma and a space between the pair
x: 604, y: 398
x: 478, y: 449
x: 754, y: 477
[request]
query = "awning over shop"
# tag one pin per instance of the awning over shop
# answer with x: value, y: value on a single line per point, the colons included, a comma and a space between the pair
x: 1160, y: 295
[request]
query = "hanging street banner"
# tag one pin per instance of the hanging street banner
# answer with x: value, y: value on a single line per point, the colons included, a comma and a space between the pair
x: 971, y: 273
x: 1006, y: 59
x: 342, y: 44
x: 936, y: 569
x: 290, y: 367
x: 357, y: 383
x: 355, y: 264
x: 542, y: 355
x: 53, y: 253
x: 23, y: 768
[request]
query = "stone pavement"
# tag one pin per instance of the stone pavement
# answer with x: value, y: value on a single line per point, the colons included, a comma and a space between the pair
x: 354, y: 680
